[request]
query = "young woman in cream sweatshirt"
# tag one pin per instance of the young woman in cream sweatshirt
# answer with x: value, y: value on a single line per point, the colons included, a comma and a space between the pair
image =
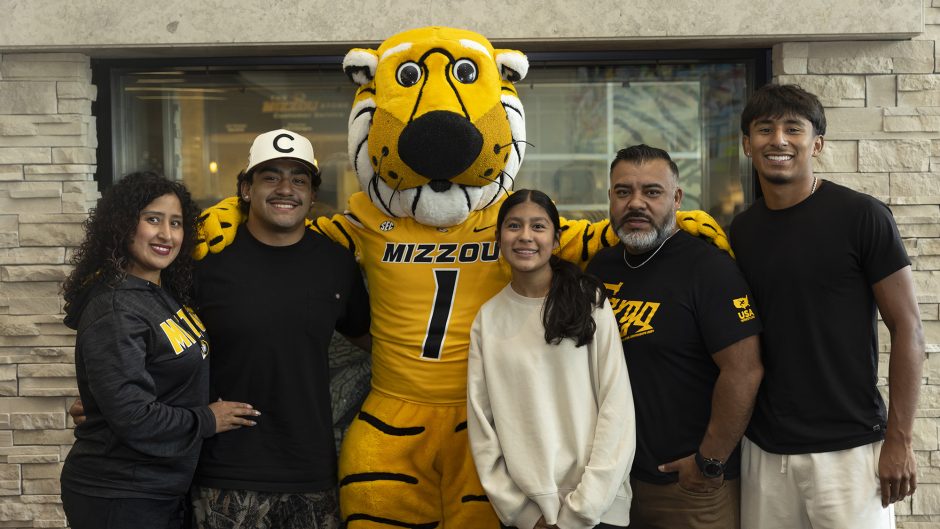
x: 550, y: 409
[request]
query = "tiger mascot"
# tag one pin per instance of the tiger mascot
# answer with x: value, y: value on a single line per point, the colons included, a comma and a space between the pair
x: 436, y: 136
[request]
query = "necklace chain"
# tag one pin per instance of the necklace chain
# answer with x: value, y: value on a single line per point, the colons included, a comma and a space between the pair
x: 813, y: 190
x: 648, y: 258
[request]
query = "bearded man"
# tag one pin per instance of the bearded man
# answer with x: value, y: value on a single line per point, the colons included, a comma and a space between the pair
x: 690, y: 339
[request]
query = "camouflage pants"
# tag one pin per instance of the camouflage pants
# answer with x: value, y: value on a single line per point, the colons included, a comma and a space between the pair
x: 247, y: 509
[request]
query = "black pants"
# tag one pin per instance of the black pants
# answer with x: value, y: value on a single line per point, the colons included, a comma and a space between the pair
x: 92, y: 512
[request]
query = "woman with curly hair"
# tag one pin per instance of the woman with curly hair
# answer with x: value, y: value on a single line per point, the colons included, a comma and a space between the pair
x: 140, y: 361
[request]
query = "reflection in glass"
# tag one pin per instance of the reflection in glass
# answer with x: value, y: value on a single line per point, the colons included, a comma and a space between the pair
x: 199, y: 127
x: 579, y: 117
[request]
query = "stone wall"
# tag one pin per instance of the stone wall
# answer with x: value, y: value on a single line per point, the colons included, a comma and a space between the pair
x: 47, y: 157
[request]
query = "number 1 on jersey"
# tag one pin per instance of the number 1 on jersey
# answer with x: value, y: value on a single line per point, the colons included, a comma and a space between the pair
x: 445, y: 288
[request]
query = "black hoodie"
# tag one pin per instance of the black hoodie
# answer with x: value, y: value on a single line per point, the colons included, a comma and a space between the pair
x: 143, y: 376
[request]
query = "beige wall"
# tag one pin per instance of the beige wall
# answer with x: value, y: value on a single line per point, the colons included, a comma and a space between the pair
x: 882, y: 98
x: 111, y: 27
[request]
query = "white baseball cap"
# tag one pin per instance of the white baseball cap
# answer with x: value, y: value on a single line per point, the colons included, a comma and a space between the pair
x: 281, y: 143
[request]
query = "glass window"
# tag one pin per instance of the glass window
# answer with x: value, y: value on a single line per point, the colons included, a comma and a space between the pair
x: 196, y: 126
x: 195, y: 123
x: 579, y: 117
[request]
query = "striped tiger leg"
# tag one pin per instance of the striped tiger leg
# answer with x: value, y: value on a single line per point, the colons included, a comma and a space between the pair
x: 398, y: 461
x: 387, y: 474
x: 465, y: 502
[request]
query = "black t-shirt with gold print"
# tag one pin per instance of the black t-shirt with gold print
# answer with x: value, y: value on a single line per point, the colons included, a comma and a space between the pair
x: 687, y: 302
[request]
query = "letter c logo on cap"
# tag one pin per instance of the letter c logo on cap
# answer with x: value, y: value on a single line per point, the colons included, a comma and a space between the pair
x: 278, y: 148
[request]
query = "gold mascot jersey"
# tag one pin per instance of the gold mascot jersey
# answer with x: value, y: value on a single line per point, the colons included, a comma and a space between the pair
x: 420, y: 336
x: 415, y: 273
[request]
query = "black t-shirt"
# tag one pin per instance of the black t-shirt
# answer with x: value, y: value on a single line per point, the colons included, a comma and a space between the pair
x: 686, y: 303
x: 271, y: 312
x: 811, y: 267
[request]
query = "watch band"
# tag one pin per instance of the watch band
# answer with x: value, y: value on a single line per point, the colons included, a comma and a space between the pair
x: 711, y: 468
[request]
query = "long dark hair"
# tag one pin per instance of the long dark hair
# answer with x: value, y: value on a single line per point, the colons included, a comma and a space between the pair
x: 573, y: 295
x: 104, y: 254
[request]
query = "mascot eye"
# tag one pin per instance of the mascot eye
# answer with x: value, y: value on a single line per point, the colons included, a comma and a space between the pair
x: 408, y: 74
x: 465, y: 71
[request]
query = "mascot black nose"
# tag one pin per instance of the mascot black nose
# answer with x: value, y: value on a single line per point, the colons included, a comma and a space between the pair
x: 440, y: 145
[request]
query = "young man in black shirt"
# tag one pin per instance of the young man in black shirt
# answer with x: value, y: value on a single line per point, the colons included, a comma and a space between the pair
x: 690, y: 340
x: 271, y: 301
x: 821, y: 451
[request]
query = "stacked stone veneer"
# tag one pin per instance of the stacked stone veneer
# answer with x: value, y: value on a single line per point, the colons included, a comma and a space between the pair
x: 47, y: 164
x: 883, y: 105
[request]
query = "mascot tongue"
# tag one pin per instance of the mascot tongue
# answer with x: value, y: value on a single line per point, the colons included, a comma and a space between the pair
x: 439, y: 186
x: 437, y: 130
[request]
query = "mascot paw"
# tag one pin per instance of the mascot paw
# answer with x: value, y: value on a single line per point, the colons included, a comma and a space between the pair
x: 218, y: 225
x: 702, y: 225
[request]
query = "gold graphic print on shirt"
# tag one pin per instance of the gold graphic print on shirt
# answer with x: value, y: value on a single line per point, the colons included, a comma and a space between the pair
x: 179, y: 336
x: 633, y: 317
x: 745, y: 312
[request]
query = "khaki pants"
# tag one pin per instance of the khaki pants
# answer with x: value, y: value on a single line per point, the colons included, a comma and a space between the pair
x: 672, y: 507
x: 828, y: 490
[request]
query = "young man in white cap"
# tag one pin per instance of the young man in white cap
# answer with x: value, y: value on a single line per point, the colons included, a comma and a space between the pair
x: 271, y: 302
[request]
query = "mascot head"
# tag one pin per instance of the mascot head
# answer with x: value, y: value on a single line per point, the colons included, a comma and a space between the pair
x: 437, y: 129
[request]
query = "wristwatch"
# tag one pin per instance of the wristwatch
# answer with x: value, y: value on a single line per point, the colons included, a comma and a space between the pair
x: 711, y: 468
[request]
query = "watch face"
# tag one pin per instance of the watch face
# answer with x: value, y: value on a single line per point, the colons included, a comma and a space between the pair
x: 712, y: 469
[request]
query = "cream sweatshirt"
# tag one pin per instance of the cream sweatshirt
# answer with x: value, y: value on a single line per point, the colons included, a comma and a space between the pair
x: 551, y: 427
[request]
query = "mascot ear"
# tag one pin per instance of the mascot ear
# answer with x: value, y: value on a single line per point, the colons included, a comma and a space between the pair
x: 513, y: 65
x: 359, y: 65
